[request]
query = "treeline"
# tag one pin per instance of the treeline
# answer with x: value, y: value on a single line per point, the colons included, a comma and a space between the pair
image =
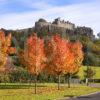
x: 91, y: 50
x: 91, y: 46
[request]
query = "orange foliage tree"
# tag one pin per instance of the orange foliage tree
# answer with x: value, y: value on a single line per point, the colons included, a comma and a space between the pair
x: 56, y: 53
x: 5, y: 50
x: 33, y: 56
x: 75, y: 59
x: 63, y: 57
x: 5, y: 42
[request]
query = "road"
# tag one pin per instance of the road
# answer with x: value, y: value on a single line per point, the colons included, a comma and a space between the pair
x: 95, y: 96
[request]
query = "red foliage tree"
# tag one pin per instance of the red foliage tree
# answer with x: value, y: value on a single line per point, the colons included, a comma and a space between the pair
x: 75, y: 58
x: 56, y: 53
x: 63, y: 57
x: 33, y: 56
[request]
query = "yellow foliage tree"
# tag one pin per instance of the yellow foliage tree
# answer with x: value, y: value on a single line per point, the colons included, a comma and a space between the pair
x: 5, y: 42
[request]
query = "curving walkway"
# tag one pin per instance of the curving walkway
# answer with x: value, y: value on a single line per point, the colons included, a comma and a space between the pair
x: 95, y: 96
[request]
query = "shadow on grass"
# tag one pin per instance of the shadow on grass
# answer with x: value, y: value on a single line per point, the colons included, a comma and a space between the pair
x: 19, y: 86
x: 69, y: 96
x: 84, y: 97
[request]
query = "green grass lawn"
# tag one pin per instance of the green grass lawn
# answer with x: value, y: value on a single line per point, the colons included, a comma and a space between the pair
x: 45, y: 91
x: 97, y: 70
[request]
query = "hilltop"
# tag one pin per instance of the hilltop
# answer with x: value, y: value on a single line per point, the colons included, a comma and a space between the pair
x: 57, y: 26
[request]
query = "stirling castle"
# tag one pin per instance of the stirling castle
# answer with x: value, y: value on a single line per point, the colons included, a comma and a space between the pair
x: 61, y: 26
x: 42, y: 27
x: 57, y: 23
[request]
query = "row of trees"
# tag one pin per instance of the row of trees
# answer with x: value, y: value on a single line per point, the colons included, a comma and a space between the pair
x: 54, y: 55
x: 90, y: 44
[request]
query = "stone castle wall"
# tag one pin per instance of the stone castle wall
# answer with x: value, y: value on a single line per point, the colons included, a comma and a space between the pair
x: 56, y: 24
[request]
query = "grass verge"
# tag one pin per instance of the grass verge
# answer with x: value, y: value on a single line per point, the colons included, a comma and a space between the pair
x: 44, y: 92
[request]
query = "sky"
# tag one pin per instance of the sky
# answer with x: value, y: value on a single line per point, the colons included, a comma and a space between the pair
x: 19, y: 14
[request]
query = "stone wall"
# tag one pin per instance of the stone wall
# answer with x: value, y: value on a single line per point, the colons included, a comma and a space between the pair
x: 56, y: 24
x: 61, y: 26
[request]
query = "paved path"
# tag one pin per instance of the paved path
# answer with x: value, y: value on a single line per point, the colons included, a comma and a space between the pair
x: 95, y: 85
x: 95, y: 96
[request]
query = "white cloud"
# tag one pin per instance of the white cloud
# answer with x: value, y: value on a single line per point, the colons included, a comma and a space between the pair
x: 36, y: 4
x: 86, y: 14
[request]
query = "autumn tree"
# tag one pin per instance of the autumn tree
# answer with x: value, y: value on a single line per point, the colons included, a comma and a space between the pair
x: 33, y: 56
x: 5, y: 42
x: 5, y: 50
x: 63, y: 56
x: 75, y: 59
x: 56, y: 53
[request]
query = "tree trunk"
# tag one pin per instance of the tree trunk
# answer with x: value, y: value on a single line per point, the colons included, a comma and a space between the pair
x: 30, y: 81
x: 87, y: 78
x: 35, y: 84
x: 68, y: 80
x: 5, y: 78
x: 93, y: 80
x: 87, y: 81
x: 58, y: 82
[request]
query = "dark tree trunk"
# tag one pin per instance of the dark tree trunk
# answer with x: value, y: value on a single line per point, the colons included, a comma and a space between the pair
x: 58, y: 82
x: 35, y: 84
x: 68, y: 80
x: 30, y: 81
x: 5, y: 78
